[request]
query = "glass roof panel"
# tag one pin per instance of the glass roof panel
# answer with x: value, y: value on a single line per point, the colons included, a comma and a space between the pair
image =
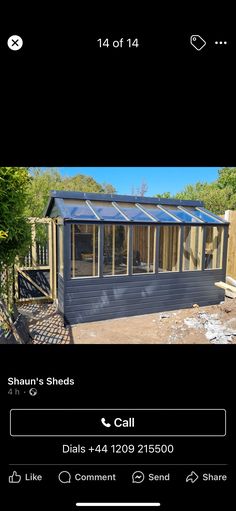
x: 204, y: 216
x: 182, y: 215
x: 159, y: 214
x: 134, y: 213
x: 78, y: 210
x: 107, y: 212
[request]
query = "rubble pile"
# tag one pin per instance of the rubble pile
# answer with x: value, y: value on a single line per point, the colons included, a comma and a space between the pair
x: 216, y: 332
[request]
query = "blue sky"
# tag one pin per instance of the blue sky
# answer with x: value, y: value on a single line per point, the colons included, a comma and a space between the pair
x: 158, y: 179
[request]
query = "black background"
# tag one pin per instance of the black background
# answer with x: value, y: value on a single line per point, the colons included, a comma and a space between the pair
x: 66, y: 102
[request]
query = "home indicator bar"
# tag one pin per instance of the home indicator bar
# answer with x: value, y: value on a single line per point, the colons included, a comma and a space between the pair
x: 118, y: 504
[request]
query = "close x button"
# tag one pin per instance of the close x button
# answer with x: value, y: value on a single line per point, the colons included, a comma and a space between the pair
x: 154, y: 422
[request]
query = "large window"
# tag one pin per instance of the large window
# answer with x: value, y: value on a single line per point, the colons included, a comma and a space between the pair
x: 214, y: 247
x: 192, y: 248
x: 143, y: 248
x: 115, y: 250
x: 169, y: 248
x: 84, y: 250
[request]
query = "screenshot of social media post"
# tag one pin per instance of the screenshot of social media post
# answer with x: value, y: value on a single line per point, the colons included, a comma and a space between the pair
x: 117, y: 258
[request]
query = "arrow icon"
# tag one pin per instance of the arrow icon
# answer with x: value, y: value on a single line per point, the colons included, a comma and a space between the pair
x: 192, y: 477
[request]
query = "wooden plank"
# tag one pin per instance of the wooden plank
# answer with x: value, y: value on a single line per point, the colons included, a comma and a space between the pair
x: 73, y: 249
x: 54, y: 252
x: 27, y: 277
x: 223, y: 285
x: 148, y: 247
x: 155, y: 249
x: 33, y: 246
x: 200, y: 248
x: 36, y: 220
x: 39, y: 299
x: 94, y: 250
x: 165, y: 248
x: 113, y: 248
x: 50, y: 257
x: 192, y: 249
x: 215, y: 242
x: 230, y: 216
x: 28, y: 268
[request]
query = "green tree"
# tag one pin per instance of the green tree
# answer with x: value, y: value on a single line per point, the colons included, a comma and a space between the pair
x: 164, y: 195
x: 107, y: 188
x: 227, y: 178
x: 14, y: 228
x: 214, y: 198
x: 43, y: 181
x: 217, y: 196
x: 81, y: 183
x: 39, y: 186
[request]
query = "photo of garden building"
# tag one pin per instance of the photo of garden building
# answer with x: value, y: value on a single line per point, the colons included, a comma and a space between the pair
x: 82, y: 263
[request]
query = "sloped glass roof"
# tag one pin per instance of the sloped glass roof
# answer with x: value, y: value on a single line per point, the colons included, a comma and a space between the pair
x: 184, y: 215
x: 78, y: 210
x: 95, y: 208
x: 106, y: 211
x: 133, y: 213
x: 205, y: 216
x: 160, y: 214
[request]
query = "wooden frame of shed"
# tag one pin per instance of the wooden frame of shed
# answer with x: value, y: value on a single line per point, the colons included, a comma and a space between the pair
x: 120, y: 255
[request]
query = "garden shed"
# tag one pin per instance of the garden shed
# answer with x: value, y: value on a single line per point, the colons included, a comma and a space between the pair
x: 120, y: 255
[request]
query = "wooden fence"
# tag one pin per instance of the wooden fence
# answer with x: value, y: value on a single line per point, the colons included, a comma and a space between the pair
x: 230, y: 216
x: 35, y: 273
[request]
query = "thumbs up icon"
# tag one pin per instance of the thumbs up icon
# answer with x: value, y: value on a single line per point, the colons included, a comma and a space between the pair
x: 14, y: 478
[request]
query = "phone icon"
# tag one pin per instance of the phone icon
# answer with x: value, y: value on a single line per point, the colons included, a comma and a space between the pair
x: 104, y: 423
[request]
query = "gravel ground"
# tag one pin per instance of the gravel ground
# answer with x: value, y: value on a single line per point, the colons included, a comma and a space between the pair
x: 215, y: 324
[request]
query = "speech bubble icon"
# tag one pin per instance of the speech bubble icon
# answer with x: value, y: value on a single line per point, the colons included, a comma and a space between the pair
x: 138, y: 477
x: 64, y: 477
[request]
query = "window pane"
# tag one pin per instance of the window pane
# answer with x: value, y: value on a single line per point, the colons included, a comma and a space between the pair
x: 60, y: 250
x: 184, y: 216
x: 134, y: 213
x: 115, y: 249
x: 214, y: 247
x: 192, y: 249
x: 204, y: 216
x: 84, y: 250
x: 143, y: 248
x: 159, y: 214
x: 107, y: 212
x: 169, y: 248
x: 78, y: 209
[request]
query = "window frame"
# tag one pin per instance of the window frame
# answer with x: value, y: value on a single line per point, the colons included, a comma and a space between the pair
x: 201, y: 242
x: 114, y: 225
x: 154, y: 272
x: 72, y: 247
x: 179, y: 249
x: 222, y: 249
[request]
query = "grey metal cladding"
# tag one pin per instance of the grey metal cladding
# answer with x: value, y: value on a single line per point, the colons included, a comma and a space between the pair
x: 113, y: 297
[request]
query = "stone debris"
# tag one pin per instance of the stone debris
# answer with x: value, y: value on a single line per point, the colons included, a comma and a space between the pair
x: 215, y: 331
x: 163, y: 315
x: 192, y: 323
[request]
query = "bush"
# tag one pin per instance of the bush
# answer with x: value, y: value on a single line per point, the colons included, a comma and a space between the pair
x: 15, y: 233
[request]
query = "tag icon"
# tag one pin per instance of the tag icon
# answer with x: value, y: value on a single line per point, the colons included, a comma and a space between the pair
x: 197, y: 42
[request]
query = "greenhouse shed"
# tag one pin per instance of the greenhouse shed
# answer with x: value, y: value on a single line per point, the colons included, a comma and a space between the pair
x: 124, y: 255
